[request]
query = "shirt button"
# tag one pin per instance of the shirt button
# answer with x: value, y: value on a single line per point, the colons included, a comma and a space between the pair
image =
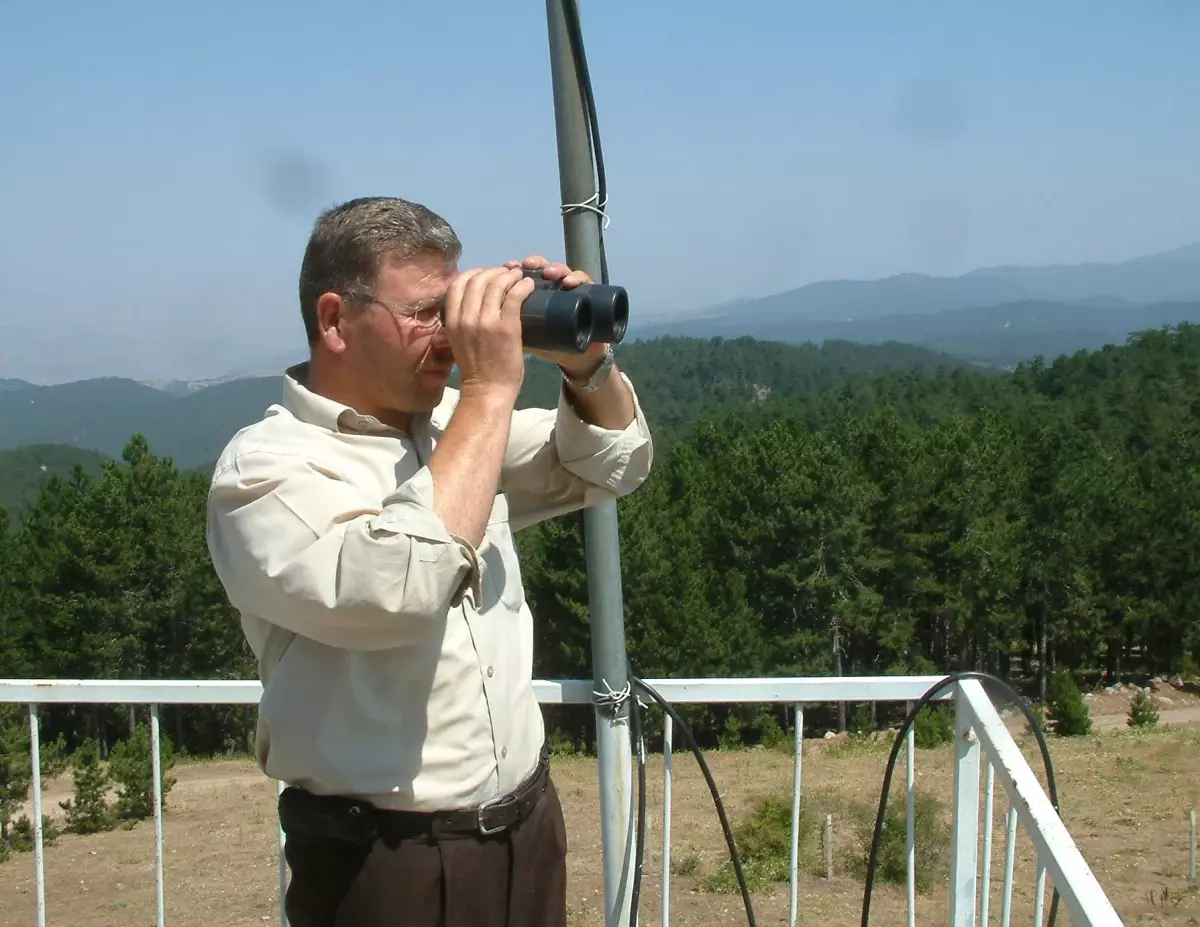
x: 503, y: 752
x: 491, y: 671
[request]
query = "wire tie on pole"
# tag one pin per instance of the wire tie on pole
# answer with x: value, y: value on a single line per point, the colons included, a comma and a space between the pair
x: 614, y: 698
x: 591, y: 204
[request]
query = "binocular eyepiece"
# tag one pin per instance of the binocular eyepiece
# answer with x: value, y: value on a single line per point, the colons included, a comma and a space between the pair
x: 554, y: 319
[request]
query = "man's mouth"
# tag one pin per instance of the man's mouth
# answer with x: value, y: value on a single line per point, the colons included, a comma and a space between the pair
x: 442, y: 360
x: 438, y: 365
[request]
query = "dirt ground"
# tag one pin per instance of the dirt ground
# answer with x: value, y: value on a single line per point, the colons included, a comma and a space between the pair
x: 1125, y: 798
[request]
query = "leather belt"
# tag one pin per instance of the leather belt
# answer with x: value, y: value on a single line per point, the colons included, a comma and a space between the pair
x: 359, y: 822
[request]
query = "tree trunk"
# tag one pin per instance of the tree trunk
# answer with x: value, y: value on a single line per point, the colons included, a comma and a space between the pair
x: 1043, y: 656
x: 837, y: 671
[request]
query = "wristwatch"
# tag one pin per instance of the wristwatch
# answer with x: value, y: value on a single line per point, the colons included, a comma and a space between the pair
x: 597, y: 379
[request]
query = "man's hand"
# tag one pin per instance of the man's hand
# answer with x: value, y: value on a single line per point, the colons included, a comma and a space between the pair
x: 483, y: 326
x: 610, y: 406
x: 579, y: 366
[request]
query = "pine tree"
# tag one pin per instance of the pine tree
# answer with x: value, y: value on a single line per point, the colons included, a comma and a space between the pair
x: 1143, y: 712
x: 15, y: 773
x: 131, y: 765
x: 1067, y: 707
x: 89, y: 812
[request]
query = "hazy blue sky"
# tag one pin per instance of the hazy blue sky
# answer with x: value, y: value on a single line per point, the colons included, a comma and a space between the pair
x: 160, y: 164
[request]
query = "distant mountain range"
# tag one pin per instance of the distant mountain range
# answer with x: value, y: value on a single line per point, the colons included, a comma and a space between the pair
x: 1002, y: 335
x: 103, y: 414
x: 993, y: 315
x: 677, y: 379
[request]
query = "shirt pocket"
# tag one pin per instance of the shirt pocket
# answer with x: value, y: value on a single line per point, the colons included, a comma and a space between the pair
x: 502, y: 577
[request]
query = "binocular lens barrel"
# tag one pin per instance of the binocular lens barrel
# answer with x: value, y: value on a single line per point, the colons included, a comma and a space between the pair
x: 554, y: 319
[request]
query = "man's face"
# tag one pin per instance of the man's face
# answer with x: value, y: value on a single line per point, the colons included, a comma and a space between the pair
x: 395, y: 347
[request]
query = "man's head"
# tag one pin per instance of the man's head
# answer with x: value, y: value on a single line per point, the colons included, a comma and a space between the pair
x: 373, y: 275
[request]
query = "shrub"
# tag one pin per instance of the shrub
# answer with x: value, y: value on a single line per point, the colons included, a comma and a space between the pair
x: 1143, y: 711
x: 22, y: 833
x: 764, y: 845
x: 931, y: 841
x: 1067, y: 707
x: 131, y: 766
x: 88, y: 812
x: 862, y: 722
x: 933, y: 727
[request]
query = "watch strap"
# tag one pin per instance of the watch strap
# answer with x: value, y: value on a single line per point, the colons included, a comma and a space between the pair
x: 598, y: 378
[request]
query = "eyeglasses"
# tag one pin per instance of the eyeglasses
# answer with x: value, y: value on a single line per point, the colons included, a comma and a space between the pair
x: 426, y: 314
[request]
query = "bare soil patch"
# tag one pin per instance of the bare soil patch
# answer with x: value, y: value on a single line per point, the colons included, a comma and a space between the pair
x: 1125, y: 797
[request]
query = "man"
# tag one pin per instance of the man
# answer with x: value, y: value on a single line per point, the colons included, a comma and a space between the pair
x: 364, y: 530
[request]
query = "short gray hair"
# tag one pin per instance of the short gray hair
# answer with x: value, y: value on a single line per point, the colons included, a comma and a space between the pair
x: 349, y: 244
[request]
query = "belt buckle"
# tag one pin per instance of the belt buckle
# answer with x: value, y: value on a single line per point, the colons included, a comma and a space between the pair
x: 483, y: 806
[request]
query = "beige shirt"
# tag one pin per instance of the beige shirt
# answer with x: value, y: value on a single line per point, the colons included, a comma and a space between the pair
x: 396, y: 659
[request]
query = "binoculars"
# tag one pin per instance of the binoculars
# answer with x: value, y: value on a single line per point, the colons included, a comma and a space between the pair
x: 554, y: 319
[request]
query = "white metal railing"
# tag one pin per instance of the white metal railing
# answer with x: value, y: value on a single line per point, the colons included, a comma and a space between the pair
x: 981, y: 738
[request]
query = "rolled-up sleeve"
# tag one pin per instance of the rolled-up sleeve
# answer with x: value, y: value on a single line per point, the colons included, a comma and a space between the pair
x: 558, y: 463
x: 295, y: 544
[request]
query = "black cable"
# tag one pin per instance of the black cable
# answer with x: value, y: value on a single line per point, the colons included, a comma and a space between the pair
x: 575, y: 36
x: 925, y: 699
x: 639, y: 752
x: 712, y: 787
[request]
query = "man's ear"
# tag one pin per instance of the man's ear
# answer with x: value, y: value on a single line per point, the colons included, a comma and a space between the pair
x: 331, y: 316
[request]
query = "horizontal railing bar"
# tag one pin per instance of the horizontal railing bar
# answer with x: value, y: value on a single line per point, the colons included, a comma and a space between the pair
x: 131, y: 691
x: 548, y: 691
x: 1058, y: 856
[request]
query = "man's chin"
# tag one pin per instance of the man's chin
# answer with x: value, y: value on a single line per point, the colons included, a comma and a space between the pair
x: 430, y: 391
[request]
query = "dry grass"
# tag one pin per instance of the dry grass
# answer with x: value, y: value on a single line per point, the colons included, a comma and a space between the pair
x: 1125, y: 798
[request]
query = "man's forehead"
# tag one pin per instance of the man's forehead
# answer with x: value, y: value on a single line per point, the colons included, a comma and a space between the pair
x: 417, y: 277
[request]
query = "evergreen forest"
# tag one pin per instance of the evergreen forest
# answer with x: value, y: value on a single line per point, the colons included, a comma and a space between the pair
x: 812, y: 511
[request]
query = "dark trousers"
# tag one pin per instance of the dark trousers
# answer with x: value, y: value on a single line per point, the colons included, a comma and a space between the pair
x: 514, y: 879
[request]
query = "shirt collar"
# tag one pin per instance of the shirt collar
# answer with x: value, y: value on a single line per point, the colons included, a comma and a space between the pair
x: 324, y: 412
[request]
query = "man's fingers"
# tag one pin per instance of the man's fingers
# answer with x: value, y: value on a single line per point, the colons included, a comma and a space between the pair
x: 470, y: 305
x: 514, y: 297
x: 478, y: 298
x: 575, y: 278
x: 454, y: 293
x: 498, y: 286
x: 555, y: 271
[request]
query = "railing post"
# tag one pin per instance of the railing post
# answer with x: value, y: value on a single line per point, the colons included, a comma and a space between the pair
x: 797, y: 788
x: 1192, y: 881
x: 156, y: 756
x: 1010, y: 851
x: 35, y: 758
x: 910, y: 817
x: 668, y: 749
x: 985, y: 893
x: 965, y: 841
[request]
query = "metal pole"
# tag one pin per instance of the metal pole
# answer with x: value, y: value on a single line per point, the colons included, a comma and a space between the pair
x: 581, y: 229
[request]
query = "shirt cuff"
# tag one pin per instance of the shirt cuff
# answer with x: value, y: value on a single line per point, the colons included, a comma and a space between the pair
x: 409, y: 510
x: 604, y: 456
